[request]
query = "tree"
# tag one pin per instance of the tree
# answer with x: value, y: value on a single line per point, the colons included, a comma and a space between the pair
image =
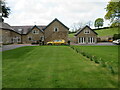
x: 4, y: 10
x: 113, y: 12
x: 76, y: 26
x: 98, y: 22
x: 89, y: 23
x: 115, y: 23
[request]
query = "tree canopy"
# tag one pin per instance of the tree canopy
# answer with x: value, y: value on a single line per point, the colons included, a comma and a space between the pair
x: 113, y: 12
x: 4, y: 10
x: 99, y: 22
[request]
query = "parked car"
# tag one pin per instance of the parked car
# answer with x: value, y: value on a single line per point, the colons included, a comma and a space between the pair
x: 110, y: 40
x: 117, y: 41
x: 56, y: 42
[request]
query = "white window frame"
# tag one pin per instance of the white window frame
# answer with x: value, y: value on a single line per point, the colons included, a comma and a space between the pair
x: 55, y: 29
x: 92, y: 40
x: 20, y: 29
x: 35, y: 31
x: 19, y: 39
x: 88, y: 31
x: 81, y: 40
x: 42, y: 38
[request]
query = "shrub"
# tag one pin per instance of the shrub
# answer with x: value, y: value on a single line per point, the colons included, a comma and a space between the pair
x: 111, y: 69
x: 103, y: 64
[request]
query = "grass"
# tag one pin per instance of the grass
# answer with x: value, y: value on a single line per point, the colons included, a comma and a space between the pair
x: 103, y: 32
x: 71, y: 35
x: 108, y: 54
x: 53, y: 67
x: 107, y: 32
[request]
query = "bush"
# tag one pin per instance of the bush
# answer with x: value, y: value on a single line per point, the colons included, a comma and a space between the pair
x: 103, y: 64
x: 116, y: 36
x: 111, y: 69
x: 95, y: 59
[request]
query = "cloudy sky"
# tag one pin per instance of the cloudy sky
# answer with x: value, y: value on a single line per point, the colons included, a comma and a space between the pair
x: 42, y: 12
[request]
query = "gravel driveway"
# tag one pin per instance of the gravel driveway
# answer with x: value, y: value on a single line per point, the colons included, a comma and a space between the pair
x: 101, y: 44
x: 9, y: 47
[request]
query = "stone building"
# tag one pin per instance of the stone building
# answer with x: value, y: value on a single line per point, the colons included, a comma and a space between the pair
x: 86, y: 36
x: 8, y: 35
x: 56, y: 30
x: 28, y: 34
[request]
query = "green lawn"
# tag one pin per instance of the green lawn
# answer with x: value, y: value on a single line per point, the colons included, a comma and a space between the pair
x: 53, y: 67
x: 103, y: 32
x: 107, y: 32
x: 71, y: 35
x: 109, y: 54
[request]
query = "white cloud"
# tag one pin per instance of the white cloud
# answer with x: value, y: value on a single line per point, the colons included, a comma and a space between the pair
x: 26, y: 12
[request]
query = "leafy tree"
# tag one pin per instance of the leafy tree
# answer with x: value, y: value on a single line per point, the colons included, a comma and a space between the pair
x: 113, y: 12
x: 99, y: 22
x: 115, y: 23
x: 4, y: 10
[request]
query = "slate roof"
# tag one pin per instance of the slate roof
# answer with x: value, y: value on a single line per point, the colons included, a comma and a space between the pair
x: 26, y: 29
x: 80, y: 30
x: 5, y: 26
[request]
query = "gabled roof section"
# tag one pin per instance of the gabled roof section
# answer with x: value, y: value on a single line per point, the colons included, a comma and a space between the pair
x: 22, y: 29
x: 26, y: 29
x: 80, y: 30
x: 6, y: 26
x: 38, y: 27
x: 58, y: 21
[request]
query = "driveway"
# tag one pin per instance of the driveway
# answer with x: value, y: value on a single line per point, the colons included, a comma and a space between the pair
x: 13, y: 46
x: 101, y: 44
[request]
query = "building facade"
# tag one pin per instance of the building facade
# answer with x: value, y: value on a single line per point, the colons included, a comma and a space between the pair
x: 8, y: 35
x: 86, y: 36
x: 28, y: 34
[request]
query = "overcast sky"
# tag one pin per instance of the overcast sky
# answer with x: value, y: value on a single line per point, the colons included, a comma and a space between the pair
x: 42, y: 12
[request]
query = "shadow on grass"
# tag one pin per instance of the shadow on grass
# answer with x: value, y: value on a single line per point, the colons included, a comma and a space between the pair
x: 16, y: 53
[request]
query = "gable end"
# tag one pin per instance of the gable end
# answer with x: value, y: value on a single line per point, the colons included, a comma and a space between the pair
x: 54, y: 21
x: 83, y: 29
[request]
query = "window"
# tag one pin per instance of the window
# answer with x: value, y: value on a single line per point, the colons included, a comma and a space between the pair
x: 56, y: 29
x: 19, y: 40
x: 35, y: 31
x: 91, y: 40
x: 12, y: 39
x: 86, y: 31
x: 42, y: 38
x: 81, y: 40
x: 19, y: 29
x: 29, y: 38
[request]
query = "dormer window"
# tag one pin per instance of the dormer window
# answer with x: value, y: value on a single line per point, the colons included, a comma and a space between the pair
x: 20, y: 29
x: 35, y: 31
x: 86, y: 31
x: 56, y: 29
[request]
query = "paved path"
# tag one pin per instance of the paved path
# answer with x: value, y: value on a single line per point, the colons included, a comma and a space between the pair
x: 9, y: 47
x: 101, y: 44
x: 13, y: 46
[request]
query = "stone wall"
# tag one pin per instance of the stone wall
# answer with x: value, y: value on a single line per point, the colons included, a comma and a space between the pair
x: 51, y: 34
x: 34, y: 37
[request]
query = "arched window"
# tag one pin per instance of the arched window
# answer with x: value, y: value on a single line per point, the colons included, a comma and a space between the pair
x: 56, y: 29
